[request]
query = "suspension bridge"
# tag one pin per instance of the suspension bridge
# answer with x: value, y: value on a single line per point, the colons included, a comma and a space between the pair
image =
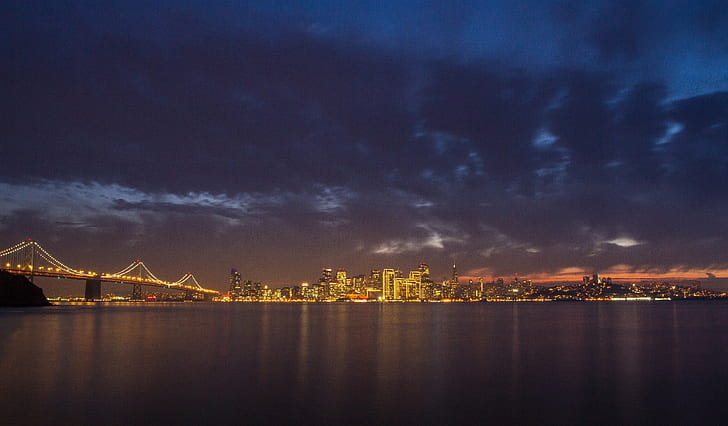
x: 30, y: 259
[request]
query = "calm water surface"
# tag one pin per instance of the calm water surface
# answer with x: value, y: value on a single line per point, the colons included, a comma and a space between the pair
x: 203, y: 363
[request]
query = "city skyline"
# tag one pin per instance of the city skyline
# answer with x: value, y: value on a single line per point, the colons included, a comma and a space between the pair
x: 545, y: 139
x: 418, y: 285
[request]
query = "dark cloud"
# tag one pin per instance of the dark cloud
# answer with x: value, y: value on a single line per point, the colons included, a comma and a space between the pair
x: 698, y: 154
x: 619, y: 30
x: 223, y: 113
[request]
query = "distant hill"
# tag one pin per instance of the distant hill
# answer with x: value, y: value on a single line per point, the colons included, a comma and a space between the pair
x: 714, y: 283
x: 16, y: 290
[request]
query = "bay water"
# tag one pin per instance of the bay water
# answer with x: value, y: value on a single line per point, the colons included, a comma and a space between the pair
x: 365, y: 363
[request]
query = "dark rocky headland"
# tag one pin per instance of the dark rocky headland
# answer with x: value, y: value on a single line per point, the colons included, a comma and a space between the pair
x: 16, y: 290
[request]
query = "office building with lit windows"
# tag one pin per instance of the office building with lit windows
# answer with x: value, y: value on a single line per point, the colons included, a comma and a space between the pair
x: 236, y: 285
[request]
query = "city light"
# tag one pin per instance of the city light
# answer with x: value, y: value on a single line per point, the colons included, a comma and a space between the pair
x: 390, y: 285
x: 379, y: 285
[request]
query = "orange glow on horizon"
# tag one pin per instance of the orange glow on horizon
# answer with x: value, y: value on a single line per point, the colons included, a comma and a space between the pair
x: 617, y: 273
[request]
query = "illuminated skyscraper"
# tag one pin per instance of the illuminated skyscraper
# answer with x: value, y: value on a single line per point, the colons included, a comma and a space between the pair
x: 450, y: 287
x: 414, y: 285
x: 373, y: 284
x: 400, y: 288
x: 358, y: 283
x: 236, y: 286
x: 454, y: 280
x: 375, y: 279
x: 424, y: 270
x: 338, y: 288
x: 327, y: 276
x: 247, y: 289
x: 388, y: 283
x: 427, y: 286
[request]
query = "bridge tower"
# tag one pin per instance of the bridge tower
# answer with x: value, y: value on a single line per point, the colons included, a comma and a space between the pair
x: 136, y: 289
x: 29, y: 258
x: 93, y: 288
x: 136, y: 292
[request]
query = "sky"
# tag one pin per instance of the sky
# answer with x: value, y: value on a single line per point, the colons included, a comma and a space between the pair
x: 544, y: 139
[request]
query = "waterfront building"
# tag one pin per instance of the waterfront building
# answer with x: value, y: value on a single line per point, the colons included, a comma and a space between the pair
x: 247, y: 289
x: 236, y: 287
x: 285, y: 293
x: 388, y: 283
x: 399, y: 289
x: 358, y: 283
x: 338, y: 288
x: 414, y: 286
x: 375, y: 279
x: 427, y: 291
x: 327, y: 277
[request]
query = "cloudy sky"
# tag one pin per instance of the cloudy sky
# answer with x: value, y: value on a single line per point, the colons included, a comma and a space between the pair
x: 279, y: 137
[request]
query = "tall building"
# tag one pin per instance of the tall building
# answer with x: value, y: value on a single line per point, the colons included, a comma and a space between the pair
x: 414, y: 286
x: 388, y: 284
x: 373, y: 284
x: 257, y: 292
x: 236, y: 285
x: 454, y: 280
x: 247, y: 289
x: 375, y: 279
x: 358, y: 283
x: 400, y: 288
x: 424, y: 270
x: 338, y: 287
x: 450, y: 287
x: 327, y: 275
x: 427, y: 288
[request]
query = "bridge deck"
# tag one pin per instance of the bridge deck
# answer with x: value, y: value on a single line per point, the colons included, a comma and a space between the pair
x: 111, y: 279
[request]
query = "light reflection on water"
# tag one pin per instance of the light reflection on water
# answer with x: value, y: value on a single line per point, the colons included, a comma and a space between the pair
x: 195, y: 363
